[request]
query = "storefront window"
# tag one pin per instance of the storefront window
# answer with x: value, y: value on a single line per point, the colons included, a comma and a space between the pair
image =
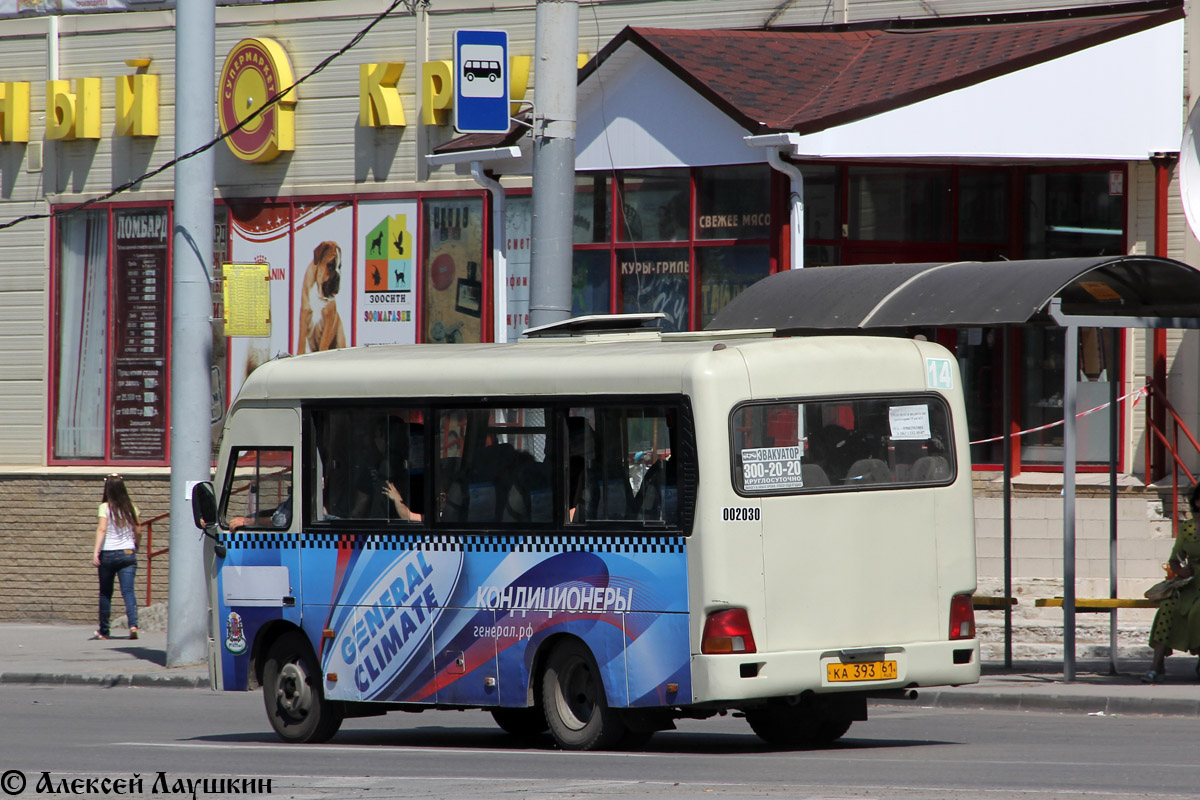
x: 518, y: 224
x: 1042, y: 394
x: 654, y: 205
x: 899, y: 204
x: 1073, y: 214
x: 822, y: 206
x: 110, y: 400
x: 82, y: 316
x: 725, y: 272
x: 591, y: 208
x: 983, y: 202
x: 453, y: 269
x: 733, y: 202
x: 822, y: 255
x: 980, y: 361
x: 590, y: 282
x: 656, y: 279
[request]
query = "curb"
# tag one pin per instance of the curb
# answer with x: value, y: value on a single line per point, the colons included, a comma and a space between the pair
x: 1005, y: 701
x: 956, y: 699
x: 105, y: 681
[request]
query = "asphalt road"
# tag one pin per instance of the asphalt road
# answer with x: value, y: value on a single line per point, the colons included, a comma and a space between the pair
x: 902, y: 752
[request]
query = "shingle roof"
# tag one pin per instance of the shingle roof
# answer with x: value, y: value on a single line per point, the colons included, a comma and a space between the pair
x: 809, y: 80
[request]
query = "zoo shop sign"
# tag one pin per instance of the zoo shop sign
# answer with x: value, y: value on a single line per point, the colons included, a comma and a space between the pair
x: 254, y: 70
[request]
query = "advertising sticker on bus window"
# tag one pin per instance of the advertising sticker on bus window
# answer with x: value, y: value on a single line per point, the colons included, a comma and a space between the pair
x: 765, y: 468
x: 909, y: 422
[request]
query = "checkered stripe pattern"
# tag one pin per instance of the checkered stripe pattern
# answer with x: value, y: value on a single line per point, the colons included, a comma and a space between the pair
x: 469, y: 543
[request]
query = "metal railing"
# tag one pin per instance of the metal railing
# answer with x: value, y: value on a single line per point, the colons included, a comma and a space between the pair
x: 151, y: 553
x: 1172, y: 446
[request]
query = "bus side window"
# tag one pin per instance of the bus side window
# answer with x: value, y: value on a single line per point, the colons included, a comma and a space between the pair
x: 502, y: 476
x: 360, y: 456
x: 622, y: 465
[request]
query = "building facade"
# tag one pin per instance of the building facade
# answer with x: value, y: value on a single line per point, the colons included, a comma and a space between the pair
x: 965, y: 131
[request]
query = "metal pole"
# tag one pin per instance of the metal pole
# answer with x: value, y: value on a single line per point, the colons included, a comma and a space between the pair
x: 191, y: 325
x: 1114, y: 340
x: 1070, y: 372
x: 557, y: 23
x: 1006, y: 415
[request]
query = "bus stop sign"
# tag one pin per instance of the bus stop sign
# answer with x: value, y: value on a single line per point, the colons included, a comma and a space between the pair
x: 481, y: 81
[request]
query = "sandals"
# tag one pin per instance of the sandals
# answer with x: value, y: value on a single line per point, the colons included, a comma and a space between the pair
x: 1155, y: 676
x: 98, y: 635
x: 133, y: 632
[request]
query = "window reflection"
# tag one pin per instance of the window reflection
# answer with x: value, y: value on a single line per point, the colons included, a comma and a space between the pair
x: 899, y: 204
x: 654, y: 205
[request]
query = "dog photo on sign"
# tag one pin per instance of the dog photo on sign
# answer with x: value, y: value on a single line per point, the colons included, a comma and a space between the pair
x: 321, y: 326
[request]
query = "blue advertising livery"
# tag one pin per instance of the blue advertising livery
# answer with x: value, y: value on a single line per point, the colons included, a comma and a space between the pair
x: 457, y: 620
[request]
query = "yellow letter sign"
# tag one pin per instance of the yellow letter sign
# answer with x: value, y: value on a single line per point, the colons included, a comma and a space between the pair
x: 137, y: 105
x: 378, y: 99
x: 14, y: 111
x: 73, y: 115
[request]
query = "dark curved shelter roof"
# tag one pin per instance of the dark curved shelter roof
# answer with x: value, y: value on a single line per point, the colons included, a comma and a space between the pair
x: 969, y: 293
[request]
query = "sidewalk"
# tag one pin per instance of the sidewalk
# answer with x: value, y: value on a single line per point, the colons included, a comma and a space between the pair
x: 45, y: 654
x: 53, y: 654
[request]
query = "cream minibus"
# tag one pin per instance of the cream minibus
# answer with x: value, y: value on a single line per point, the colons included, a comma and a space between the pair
x: 595, y: 532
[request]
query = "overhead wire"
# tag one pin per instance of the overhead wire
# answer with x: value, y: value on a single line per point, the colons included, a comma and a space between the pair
x: 271, y: 101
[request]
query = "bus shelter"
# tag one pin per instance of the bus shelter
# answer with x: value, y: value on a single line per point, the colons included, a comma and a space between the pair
x: 1110, y: 292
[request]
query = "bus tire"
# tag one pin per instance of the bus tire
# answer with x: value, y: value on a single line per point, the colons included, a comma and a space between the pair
x: 797, y: 726
x: 527, y: 722
x: 577, y: 711
x: 292, y: 693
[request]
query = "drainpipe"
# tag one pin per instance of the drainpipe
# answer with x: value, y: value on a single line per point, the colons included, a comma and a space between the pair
x: 774, y: 144
x: 1163, y: 163
x: 48, y: 147
x: 499, y: 253
x: 476, y: 159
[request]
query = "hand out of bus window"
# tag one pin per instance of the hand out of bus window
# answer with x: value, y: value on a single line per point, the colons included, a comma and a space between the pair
x: 402, y: 510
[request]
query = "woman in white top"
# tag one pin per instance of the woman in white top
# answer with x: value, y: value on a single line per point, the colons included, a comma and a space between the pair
x: 115, y: 554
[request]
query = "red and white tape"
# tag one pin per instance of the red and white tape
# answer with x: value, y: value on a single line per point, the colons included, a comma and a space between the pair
x: 1138, y: 394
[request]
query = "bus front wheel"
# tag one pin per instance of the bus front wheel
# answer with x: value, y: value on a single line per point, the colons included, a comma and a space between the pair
x: 296, y: 704
x: 577, y: 711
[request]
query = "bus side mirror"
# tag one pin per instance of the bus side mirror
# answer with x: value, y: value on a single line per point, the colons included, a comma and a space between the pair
x: 204, y: 505
x: 204, y: 513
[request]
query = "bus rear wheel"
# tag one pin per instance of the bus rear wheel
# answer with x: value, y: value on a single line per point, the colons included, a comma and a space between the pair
x: 295, y: 702
x: 577, y: 711
x: 797, y: 726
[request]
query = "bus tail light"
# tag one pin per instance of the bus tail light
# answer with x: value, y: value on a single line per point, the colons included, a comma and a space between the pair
x: 962, y: 617
x: 728, y: 631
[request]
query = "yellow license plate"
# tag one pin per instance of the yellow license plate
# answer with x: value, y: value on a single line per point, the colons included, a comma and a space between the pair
x: 862, y: 671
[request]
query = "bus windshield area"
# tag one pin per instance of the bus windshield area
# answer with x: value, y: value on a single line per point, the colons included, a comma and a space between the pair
x: 258, y: 494
x: 824, y: 445
x: 497, y: 465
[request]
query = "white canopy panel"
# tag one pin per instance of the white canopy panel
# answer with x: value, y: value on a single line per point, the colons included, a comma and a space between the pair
x: 1122, y: 100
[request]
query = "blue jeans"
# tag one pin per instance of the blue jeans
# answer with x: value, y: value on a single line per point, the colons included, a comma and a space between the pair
x: 124, y: 566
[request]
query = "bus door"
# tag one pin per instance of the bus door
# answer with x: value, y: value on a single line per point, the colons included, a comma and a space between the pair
x: 258, y: 581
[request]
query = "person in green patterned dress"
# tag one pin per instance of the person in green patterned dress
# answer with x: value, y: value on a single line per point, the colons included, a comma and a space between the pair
x: 1177, y: 621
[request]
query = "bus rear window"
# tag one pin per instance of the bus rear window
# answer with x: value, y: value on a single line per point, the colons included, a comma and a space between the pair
x: 823, y: 445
